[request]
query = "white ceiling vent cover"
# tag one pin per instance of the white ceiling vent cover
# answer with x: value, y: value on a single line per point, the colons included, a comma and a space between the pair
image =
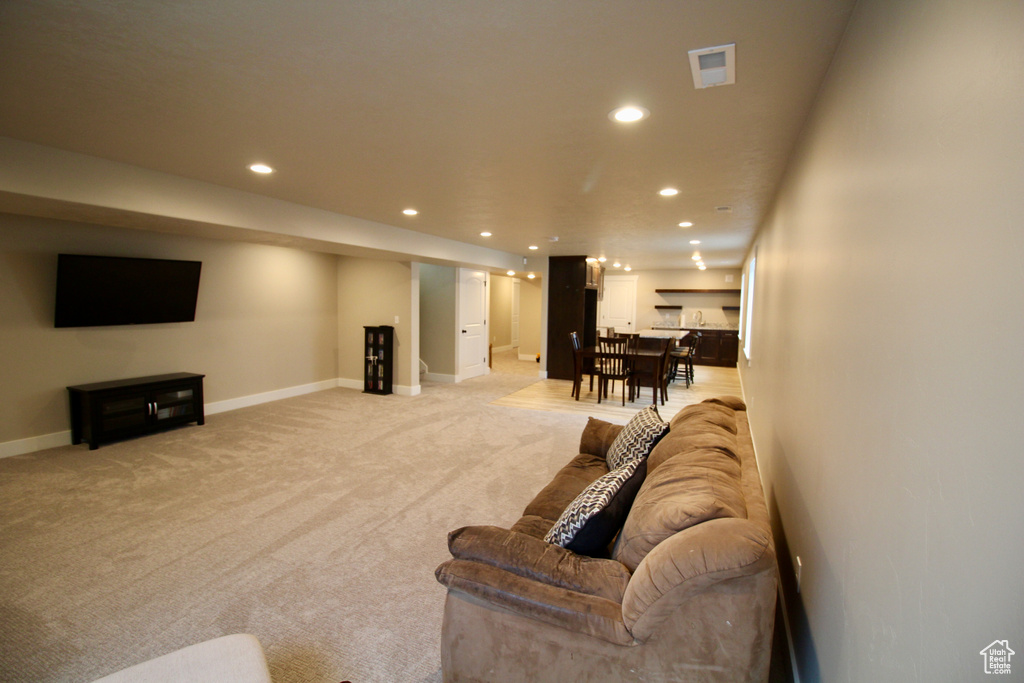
x: 713, y: 66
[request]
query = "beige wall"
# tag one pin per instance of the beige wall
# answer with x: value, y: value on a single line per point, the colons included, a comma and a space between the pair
x: 372, y: 292
x: 710, y: 305
x: 530, y: 317
x: 438, y: 286
x: 499, y: 320
x: 266, y: 319
x: 886, y: 386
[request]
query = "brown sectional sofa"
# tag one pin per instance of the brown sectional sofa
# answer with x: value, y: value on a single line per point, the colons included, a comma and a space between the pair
x: 686, y: 592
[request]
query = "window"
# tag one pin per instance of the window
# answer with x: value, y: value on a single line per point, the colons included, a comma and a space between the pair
x: 747, y: 305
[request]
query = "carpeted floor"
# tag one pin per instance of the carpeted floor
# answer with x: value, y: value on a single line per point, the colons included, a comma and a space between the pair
x: 314, y: 523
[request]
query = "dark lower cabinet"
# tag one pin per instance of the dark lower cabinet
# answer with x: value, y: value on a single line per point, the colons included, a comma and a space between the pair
x: 718, y: 347
x: 109, y: 411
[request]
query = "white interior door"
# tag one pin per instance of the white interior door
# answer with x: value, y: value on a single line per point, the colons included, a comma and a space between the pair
x: 515, y: 312
x: 618, y: 307
x: 472, y: 340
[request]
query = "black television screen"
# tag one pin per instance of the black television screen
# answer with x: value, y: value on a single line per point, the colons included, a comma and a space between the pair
x: 113, y: 290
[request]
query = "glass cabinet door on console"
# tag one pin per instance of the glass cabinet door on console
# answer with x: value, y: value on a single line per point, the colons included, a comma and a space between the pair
x: 107, y: 411
x: 378, y: 345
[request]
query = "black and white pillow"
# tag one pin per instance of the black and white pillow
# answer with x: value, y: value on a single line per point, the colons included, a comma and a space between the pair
x: 636, y: 440
x: 588, y: 524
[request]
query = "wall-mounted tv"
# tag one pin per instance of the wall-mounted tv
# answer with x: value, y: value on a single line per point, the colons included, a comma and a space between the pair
x: 113, y: 290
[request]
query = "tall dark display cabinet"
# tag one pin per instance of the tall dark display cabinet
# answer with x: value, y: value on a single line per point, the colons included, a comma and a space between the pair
x: 572, y: 306
x: 378, y: 359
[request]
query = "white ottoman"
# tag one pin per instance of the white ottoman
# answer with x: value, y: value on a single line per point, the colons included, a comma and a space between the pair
x: 229, y: 659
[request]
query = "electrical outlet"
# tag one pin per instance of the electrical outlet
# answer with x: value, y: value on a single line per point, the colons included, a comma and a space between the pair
x: 396, y: 319
x: 799, y: 567
x: 729, y: 278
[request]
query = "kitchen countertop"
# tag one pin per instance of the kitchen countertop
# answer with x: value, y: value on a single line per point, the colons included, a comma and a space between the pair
x: 679, y: 332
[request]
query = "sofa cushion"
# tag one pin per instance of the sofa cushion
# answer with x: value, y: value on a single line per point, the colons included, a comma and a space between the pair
x: 692, y: 437
x: 635, y: 441
x: 734, y: 402
x: 683, y: 491
x: 567, y: 483
x: 589, y: 524
x: 705, y: 415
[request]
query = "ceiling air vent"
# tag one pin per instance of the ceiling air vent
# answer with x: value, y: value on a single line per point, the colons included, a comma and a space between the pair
x: 713, y: 66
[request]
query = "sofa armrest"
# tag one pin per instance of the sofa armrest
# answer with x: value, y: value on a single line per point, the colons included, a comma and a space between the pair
x: 695, y: 560
x: 534, y: 559
x: 577, y: 612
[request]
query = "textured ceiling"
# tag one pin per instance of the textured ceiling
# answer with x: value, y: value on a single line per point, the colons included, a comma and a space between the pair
x: 482, y: 115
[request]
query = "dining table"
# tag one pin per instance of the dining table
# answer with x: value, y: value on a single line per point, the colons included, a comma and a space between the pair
x: 648, y: 361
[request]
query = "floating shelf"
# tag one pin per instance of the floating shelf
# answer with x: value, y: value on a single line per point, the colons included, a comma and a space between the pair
x: 697, y: 291
x: 669, y: 308
x: 730, y: 308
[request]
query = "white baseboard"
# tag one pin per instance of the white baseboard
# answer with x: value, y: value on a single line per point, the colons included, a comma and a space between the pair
x: 528, y: 356
x: 437, y: 377
x: 400, y: 389
x: 35, y: 443
x: 499, y: 349
x: 44, y: 441
x: 268, y: 396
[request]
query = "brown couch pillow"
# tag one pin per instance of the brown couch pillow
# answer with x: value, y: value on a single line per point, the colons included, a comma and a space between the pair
x: 704, y: 415
x: 683, y: 491
x: 685, y: 440
x: 598, y: 437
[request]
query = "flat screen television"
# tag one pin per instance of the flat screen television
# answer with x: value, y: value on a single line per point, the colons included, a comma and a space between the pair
x: 113, y: 290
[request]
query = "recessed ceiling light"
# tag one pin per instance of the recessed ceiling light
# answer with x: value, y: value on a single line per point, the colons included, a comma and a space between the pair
x: 669, y: 192
x: 260, y: 168
x: 616, y: 265
x: 410, y: 212
x: 510, y: 273
x: 531, y: 276
x: 485, y: 234
x: 694, y: 241
x: 591, y: 259
x: 627, y: 268
x: 601, y: 259
x: 534, y: 247
x: 686, y: 224
x: 696, y: 256
x: 702, y: 267
x: 629, y: 114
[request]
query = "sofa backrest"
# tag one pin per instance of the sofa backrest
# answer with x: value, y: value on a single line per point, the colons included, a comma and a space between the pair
x: 700, y: 515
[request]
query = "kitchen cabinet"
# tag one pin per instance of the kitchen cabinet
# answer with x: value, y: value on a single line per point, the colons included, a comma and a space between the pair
x: 717, y: 347
x: 572, y: 307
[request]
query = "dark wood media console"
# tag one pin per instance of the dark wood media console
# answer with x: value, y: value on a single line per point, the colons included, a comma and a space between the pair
x: 108, y: 411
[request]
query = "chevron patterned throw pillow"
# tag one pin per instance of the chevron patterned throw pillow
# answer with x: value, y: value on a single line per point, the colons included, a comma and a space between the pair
x: 637, y: 438
x: 588, y: 525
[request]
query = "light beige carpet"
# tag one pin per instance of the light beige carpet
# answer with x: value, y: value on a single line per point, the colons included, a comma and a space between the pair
x: 314, y: 523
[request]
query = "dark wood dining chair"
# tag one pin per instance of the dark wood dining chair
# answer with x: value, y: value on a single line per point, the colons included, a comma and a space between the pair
x: 613, y: 364
x: 684, y: 355
x: 578, y: 368
x: 649, y: 371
